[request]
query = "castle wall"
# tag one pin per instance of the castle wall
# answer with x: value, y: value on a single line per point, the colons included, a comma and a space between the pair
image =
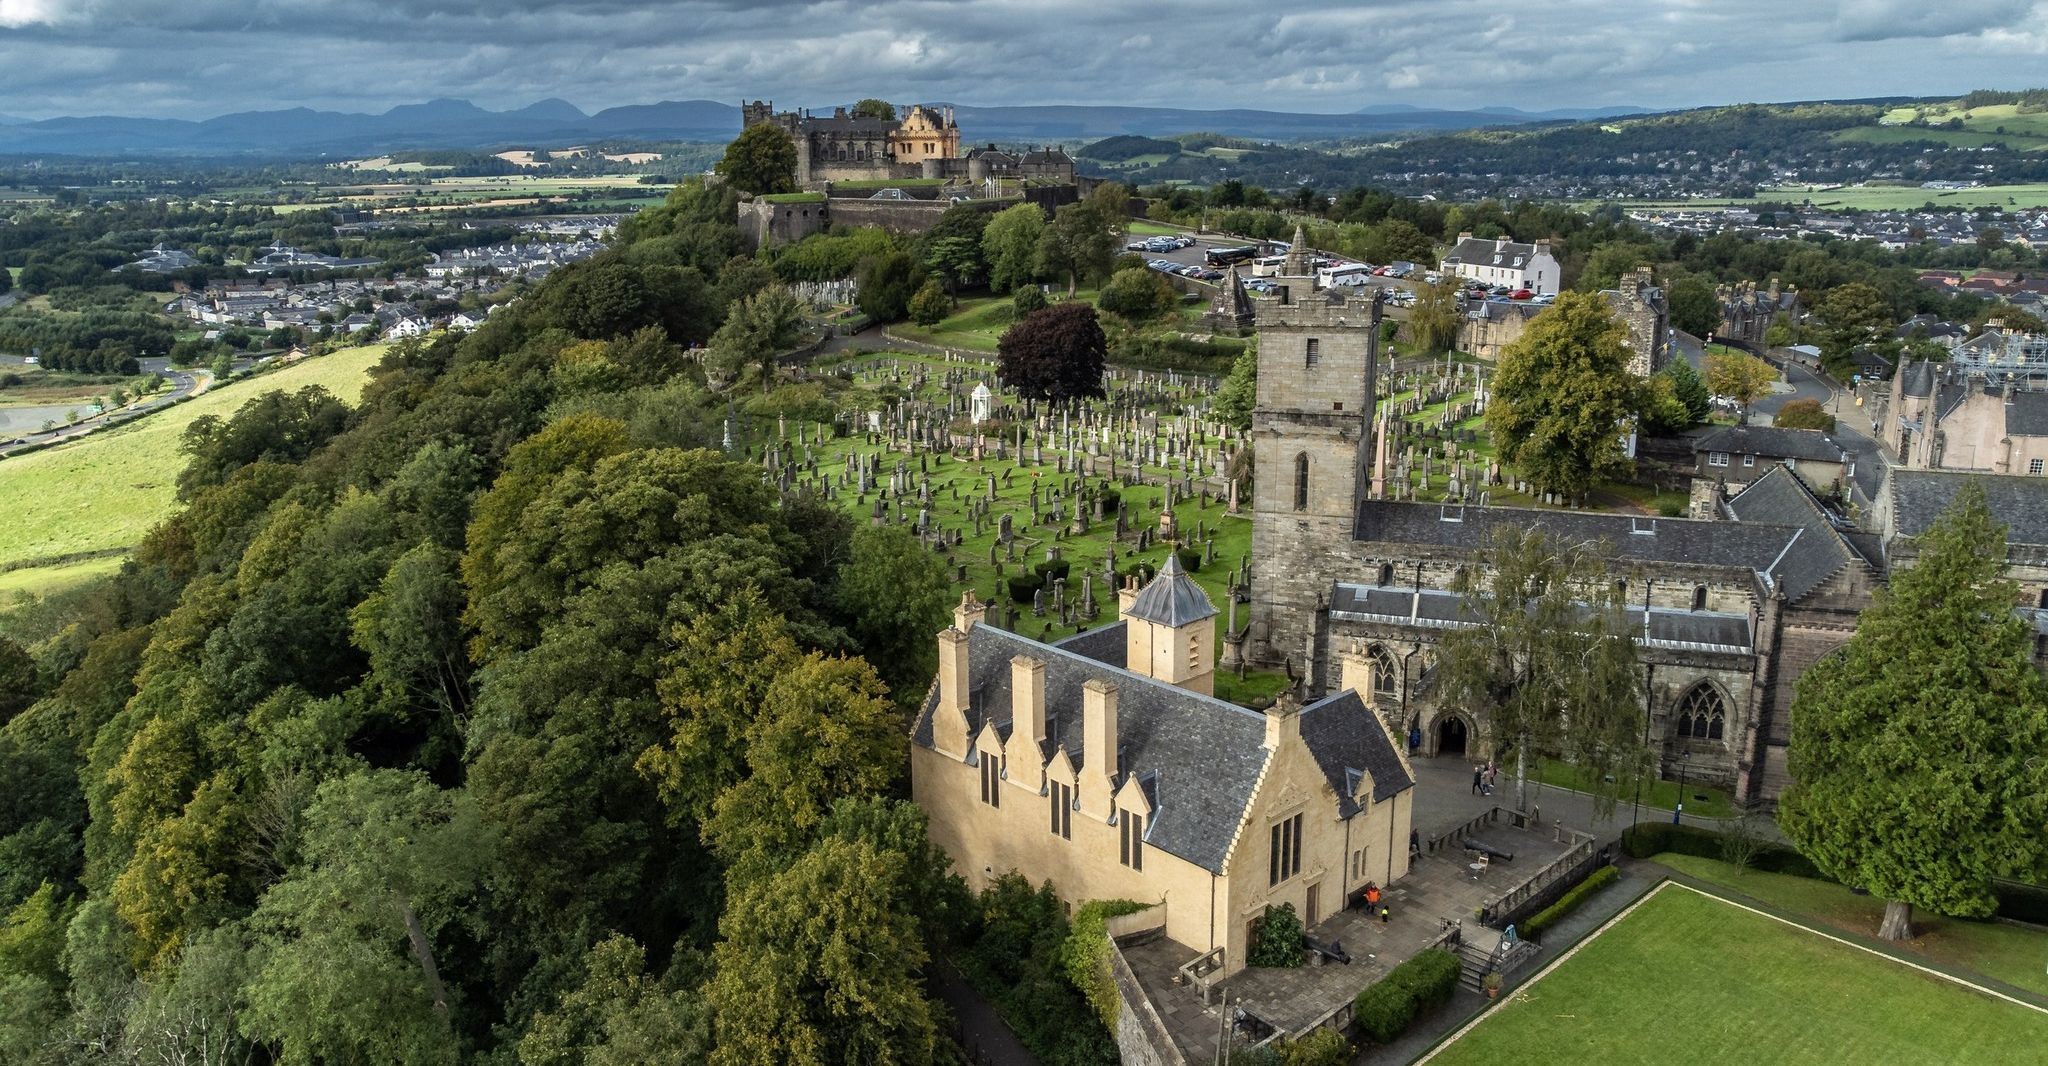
x: 763, y: 222
x: 902, y: 216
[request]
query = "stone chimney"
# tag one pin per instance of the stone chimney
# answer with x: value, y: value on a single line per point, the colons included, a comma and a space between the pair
x: 1025, y: 751
x: 1098, y: 745
x: 1355, y: 670
x: 1283, y: 720
x: 949, y: 720
x: 1126, y: 595
x: 969, y: 613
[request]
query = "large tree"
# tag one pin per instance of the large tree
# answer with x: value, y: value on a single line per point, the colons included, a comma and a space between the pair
x: 1433, y: 321
x: 1082, y: 240
x: 762, y: 159
x: 1852, y: 316
x: 1010, y: 245
x: 1742, y: 378
x: 1551, y: 659
x: 894, y: 593
x: 874, y: 108
x: 1695, y: 307
x: 1916, y: 757
x: 1563, y: 396
x: 1055, y: 353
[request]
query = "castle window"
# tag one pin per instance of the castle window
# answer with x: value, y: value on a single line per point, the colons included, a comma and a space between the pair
x: 1130, y: 849
x: 1062, y: 810
x: 1301, y: 482
x: 1315, y: 353
x: 991, y: 779
x: 1701, y: 714
x: 1386, y: 573
x: 1285, y: 860
x: 1699, y: 597
x: 2033, y: 466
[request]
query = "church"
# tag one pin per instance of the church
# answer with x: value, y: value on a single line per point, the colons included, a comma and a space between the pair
x: 1731, y: 607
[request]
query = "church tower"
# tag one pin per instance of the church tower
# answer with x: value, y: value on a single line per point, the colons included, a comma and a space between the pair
x: 1312, y: 436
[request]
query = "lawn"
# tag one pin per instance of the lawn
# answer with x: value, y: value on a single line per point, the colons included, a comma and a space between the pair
x: 2003, y: 951
x: 977, y: 324
x: 1657, y: 796
x: 106, y: 490
x: 1142, y: 228
x: 38, y: 581
x: 1686, y: 978
x: 1863, y: 198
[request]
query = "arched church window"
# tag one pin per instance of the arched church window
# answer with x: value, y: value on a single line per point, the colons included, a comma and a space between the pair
x: 1301, y: 482
x: 1702, y: 715
x: 1699, y: 597
x: 1386, y: 573
x: 1383, y: 673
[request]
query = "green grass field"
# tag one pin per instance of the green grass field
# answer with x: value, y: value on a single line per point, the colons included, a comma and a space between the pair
x: 105, y: 491
x: 2015, y: 954
x: 1863, y: 198
x: 1685, y: 978
x: 1657, y: 796
x: 976, y: 325
x: 38, y: 581
x: 1143, y: 228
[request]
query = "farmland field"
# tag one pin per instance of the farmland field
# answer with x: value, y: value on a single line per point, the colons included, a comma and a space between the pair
x: 103, y: 492
x: 1688, y: 978
x: 1863, y: 198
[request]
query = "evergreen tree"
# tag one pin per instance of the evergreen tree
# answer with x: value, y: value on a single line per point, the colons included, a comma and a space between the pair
x: 1689, y: 388
x: 1916, y: 751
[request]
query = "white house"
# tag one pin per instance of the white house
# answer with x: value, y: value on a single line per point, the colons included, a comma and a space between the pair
x: 1504, y: 262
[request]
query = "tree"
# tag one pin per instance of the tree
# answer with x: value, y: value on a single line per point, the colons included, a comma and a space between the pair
x: 1029, y: 298
x: 352, y: 968
x: 894, y: 594
x: 873, y: 108
x: 19, y: 685
x: 1780, y: 333
x: 1605, y: 267
x: 1434, y: 320
x: 1054, y: 354
x: 1398, y: 239
x: 1852, y: 317
x: 1663, y: 412
x: 1563, y: 396
x: 817, y: 964
x: 1804, y: 414
x: 931, y: 304
x: 1551, y: 658
x: 1138, y: 293
x: 1081, y: 242
x: 1695, y: 306
x: 1010, y: 245
x: 1689, y: 389
x: 1239, y: 392
x: 762, y: 159
x: 1740, y: 377
x: 620, y: 1016
x: 1916, y: 750
x: 757, y: 329
x: 886, y: 282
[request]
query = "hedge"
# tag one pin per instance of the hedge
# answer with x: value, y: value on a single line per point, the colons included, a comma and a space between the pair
x: 1084, y: 957
x: 1569, y: 902
x: 1388, y: 1006
x: 2017, y: 900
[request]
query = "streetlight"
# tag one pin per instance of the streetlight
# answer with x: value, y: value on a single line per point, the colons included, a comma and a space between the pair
x: 1678, y: 807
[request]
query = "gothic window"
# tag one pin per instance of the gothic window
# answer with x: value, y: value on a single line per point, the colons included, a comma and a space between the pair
x: 1301, y: 482
x: 1284, y: 859
x: 1699, y: 597
x: 1701, y: 714
x: 1382, y: 671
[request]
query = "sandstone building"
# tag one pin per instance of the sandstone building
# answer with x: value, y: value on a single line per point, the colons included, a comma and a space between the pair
x: 1490, y: 326
x: 1986, y: 409
x: 1102, y: 764
x: 921, y: 143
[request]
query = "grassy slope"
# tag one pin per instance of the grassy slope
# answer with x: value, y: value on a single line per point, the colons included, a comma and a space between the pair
x: 1688, y: 979
x: 104, y: 492
x: 2007, y: 952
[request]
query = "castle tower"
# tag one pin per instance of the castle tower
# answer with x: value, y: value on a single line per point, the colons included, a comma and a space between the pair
x: 1312, y: 444
x: 1168, y: 635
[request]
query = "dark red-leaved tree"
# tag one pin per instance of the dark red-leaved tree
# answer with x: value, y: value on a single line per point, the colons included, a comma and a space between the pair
x: 1054, y: 353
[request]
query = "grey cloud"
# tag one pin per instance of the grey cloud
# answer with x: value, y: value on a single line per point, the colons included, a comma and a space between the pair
x: 201, y: 57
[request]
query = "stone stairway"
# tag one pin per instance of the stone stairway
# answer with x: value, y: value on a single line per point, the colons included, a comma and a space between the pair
x: 1477, y: 954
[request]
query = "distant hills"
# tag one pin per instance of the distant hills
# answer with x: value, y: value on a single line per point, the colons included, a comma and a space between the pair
x: 300, y: 132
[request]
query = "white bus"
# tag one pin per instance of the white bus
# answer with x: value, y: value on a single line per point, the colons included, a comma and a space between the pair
x: 1269, y: 267
x: 1343, y: 274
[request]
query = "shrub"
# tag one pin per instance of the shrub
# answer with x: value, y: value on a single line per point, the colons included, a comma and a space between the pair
x: 1028, y: 299
x: 931, y: 304
x: 1023, y: 587
x: 1324, y: 1047
x: 1140, y: 570
x: 1056, y: 568
x: 1569, y: 902
x: 1279, y: 940
x: 1804, y: 414
x: 1650, y: 838
x: 1110, y: 499
x: 1084, y: 956
x: 1190, y: 559
x: 1387, y: 1007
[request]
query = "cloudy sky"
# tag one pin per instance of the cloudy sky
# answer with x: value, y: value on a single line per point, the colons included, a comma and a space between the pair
x: 197, y: 58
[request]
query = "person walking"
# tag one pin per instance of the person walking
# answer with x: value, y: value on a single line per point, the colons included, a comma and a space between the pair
x: 1386, y: 916
x: 1478, y: 776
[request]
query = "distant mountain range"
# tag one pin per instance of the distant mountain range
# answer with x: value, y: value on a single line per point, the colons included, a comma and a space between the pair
x: 301, y: 132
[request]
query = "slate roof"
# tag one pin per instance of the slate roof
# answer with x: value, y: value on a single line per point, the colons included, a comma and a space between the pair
x: 1478, y: 251
x: 1441, y: 609
x: 1108, y: 645
x: 1817, y: 551
x: 1919, y: 379
x: 1668, y: 540
x: 1203, y: 756
x: 1172, y: 598
x: 1806, y: 444
x: 2026, y: 414
x: 1345, y: 736
x: 1920, y: 496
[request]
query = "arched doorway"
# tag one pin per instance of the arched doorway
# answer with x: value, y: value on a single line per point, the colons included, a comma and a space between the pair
x: 1450, y: 735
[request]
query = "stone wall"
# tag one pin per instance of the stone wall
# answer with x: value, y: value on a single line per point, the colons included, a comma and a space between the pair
x: 764, y: 222
x: 1141, y: 1037
x: 902, y: 216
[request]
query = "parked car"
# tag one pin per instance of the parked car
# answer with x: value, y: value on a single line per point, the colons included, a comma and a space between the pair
x: 1139, y: 246
x: 1520, y: 294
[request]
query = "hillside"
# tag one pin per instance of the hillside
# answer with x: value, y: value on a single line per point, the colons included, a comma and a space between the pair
x: 105, y: 491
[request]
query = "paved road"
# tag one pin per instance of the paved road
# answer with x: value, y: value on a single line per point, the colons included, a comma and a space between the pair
x: 183, y: 384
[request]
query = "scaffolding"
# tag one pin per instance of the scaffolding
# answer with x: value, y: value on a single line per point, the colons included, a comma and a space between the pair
x: 2019, y: 360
